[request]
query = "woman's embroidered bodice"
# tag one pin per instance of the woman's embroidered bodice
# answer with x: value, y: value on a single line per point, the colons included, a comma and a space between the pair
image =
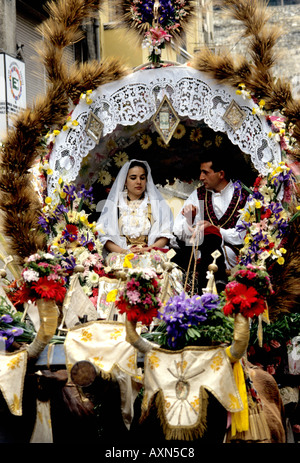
x: 134, y: 220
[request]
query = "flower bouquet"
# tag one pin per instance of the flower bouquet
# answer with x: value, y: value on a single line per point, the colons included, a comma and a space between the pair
x: 247, y: 290
x: 139, y: 299
x: 194, y: 320
x: 42, y: 278
x: 12, y: 329
x: 65, y: 221
x: 92, y: 270
x: 158, y: 22
x: 265, y: 219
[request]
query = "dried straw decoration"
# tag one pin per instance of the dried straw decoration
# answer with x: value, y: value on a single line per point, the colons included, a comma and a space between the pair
x: 255, y: 73
x: 20, y: 204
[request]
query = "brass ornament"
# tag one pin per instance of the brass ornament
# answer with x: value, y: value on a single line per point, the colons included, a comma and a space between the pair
x: 94, y: 127
x: 165, y: 120
x: 234, y: 116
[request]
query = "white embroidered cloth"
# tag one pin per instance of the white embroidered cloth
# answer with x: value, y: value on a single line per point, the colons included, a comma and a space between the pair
x: 12, y: 373
x: 181, y: 376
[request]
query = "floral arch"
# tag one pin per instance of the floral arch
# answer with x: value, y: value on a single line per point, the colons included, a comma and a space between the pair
x: 127, y: 106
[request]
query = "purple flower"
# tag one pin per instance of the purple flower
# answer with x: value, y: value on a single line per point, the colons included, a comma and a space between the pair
x: 6, y: 318
x: 86, y: 194
x: 182, y: 313
x: 71, y: 191
x: 44, y: 224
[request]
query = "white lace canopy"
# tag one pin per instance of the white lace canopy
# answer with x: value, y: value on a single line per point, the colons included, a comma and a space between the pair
x: 135, y: 99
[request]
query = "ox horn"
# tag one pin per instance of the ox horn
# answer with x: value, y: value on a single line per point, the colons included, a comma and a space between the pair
x: 241, y: 335
x: 135, y: 339
x: 48, y: 312
x: 235, y: 352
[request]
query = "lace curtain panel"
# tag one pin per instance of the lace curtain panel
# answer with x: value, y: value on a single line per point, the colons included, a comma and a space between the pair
x: 133, y: 101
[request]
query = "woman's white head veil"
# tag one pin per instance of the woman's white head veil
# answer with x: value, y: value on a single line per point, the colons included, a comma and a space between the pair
x: 107, y: 224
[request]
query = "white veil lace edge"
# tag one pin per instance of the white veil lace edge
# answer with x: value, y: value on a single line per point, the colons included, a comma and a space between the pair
x: 107, y: 224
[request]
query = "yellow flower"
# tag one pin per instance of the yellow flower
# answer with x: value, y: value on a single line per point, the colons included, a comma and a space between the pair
x: 218, y: 140
x: 238, y: 92
x: 258, y: 204
x: 60, y: 180
x: 63, y: 194
x: 298, y: 208
x: 145, y: 141
x: 196, y: 135
x: 48, y: 200
x: 161, y: 143
x: 56, y: 132
x: 262, y: 103
x: 247, y: 216
x: 207, y: 143
x: 111, y: 296
x: 104, y: 177
x: 280, y: 260
x: 282, y: 250
x: 120, y: 158
x: 62, y: 250
x: 179, y: 132
x: 49, y: 171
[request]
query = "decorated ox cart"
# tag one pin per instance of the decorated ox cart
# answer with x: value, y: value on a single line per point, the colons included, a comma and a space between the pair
x: 178, y: 364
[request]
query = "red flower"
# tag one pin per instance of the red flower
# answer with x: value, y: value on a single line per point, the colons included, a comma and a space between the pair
x: 49, y: 289
x: 243, y: 299
x: 22, y: 295
x: 70, y: 232
x: 135, y: 313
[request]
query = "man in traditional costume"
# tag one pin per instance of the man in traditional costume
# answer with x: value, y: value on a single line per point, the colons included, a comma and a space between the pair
x: 209, y: 219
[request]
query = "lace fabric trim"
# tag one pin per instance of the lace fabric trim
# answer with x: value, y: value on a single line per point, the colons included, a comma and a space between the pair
x: 135, y: 99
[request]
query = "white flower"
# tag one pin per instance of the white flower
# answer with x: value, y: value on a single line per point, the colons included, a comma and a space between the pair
x: 33, y: 257
x: 30, y: 275
x: 48, y: 256
x: 92, y: 279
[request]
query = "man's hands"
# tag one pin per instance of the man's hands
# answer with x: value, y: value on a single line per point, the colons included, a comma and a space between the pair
x: 199, y: 228
x: 189, y: 212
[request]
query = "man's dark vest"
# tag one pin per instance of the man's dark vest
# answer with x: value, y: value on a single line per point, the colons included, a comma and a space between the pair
x: 231, y: 215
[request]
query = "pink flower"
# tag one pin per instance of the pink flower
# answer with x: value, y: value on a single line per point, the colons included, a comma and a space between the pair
x: 133, y: 296
x: 158, y: 35
x: 275, y: 344
x: 271, y: 369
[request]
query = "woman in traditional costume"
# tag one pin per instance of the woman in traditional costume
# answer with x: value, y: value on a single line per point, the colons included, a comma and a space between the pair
x: 135, y: 216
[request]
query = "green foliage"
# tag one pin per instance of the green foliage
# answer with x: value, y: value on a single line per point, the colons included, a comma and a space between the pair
x: 216, y: 329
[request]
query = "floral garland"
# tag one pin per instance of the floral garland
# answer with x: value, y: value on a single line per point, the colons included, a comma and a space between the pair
x: 265, y: 219
x: 157, y: 21
x: 277, y: 121
x: 139, y: 300
x: 42, y: 278
x: 246, y: 291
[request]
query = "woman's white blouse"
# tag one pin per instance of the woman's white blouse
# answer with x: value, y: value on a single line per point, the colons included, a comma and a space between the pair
x: 133, y: 216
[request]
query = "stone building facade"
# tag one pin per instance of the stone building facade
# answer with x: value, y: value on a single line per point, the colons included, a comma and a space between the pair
x: 228, y: 32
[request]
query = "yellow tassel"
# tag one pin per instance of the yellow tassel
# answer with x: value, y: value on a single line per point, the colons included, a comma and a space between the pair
x: 240, y: 420
x: 127, y: 259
